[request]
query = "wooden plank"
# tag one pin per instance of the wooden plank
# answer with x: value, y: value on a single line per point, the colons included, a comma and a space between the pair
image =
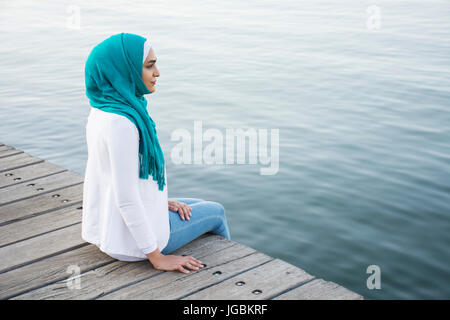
x: 269, y: 279
x: 39, y: 186
x: 41, y: 204
x: 28, y: 173
x: 50, y: 270
x: 11, y: 152
x: 41, y: 224
x: 168, y: 286
x: 120, y: 273
x: 6, y: 151
x: 3, y: 148
x: 319, y: 289
x: 30, y: 250
x: 17, y: 161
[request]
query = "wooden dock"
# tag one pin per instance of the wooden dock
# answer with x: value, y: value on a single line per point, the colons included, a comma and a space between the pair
x: 42, y: 255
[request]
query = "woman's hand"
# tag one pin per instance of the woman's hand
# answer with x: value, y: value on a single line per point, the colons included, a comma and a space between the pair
x: 172, y: 262
x: 182, y: 208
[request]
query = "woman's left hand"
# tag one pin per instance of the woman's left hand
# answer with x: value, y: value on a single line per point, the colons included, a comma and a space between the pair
x: 182, y: 208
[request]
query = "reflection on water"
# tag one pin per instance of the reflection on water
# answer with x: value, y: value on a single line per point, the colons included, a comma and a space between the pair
x: 364, y: 176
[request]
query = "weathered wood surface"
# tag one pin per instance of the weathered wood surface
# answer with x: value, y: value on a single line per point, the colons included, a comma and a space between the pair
x: 52, y: 183
x: 28, y: 173
x: 42, y: 224
x: 17, y: 161
x: 8, y: 151
x: 317, y: 289
x: 42, y: 255
x: 41, y: 204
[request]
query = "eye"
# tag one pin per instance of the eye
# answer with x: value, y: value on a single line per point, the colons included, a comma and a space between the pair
x: 149, y: 67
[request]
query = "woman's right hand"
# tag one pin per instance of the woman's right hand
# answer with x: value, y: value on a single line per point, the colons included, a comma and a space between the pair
x: 172, y: 262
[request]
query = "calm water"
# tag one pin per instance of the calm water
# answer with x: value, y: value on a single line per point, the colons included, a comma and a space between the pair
x: 364, y: 174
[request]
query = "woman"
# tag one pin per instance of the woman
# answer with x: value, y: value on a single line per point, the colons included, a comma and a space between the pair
x: 126, y: 212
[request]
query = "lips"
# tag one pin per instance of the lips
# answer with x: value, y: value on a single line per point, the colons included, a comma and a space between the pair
x: 153, y: 83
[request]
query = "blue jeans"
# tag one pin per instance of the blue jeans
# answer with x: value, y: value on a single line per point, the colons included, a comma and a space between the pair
x: 207, y: 216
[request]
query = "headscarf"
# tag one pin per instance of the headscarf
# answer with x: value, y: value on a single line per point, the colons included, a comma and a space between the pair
x: 113, y: 79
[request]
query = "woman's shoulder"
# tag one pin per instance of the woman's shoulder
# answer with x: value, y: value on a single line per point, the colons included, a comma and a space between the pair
x: 120, y: 124
x: 114, y: 124
x: 113, y: 118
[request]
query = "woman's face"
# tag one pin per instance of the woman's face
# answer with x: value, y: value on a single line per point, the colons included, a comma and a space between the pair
x: 149, y: 71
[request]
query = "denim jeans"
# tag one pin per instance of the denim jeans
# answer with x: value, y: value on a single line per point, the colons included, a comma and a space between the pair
x: 207, y: 216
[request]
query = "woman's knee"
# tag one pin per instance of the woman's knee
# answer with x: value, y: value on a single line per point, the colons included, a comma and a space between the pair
x: 222, y: 226
x: 218, y: 208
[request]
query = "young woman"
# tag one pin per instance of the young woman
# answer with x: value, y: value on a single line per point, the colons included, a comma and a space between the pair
x: 126, y: 211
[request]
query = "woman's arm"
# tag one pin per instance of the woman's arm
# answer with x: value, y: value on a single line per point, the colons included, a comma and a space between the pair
x: 123, y: 147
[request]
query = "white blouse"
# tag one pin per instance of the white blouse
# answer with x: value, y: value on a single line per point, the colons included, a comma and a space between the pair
x: 122, y: 214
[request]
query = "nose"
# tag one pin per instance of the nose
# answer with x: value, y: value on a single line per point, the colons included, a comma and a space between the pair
x: 156, y: 74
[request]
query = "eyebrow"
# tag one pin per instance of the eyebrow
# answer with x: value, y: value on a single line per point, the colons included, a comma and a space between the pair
x: 150, y: 61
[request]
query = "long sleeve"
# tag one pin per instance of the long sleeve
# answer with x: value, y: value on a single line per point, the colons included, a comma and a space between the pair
x: 123, y: 146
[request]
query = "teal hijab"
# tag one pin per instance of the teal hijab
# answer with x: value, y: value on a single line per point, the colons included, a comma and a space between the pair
x: 113, y: 78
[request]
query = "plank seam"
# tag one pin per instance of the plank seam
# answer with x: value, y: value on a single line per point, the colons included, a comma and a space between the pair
x: 36, y: 214
x: 21, y: 166
x: 12, y: 154
x: 43, y: 257
x: 40, y: 194
x: 55, y: 281
x: 126, y: 285
x: 16, y: 183
x: 292, y: 288
x: 40, y: 234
